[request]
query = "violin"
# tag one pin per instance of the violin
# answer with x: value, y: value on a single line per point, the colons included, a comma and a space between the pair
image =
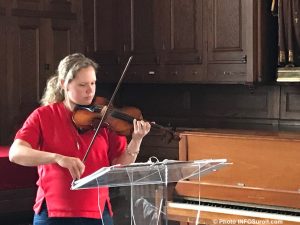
x: 118, y: 120
x: 87, y: 117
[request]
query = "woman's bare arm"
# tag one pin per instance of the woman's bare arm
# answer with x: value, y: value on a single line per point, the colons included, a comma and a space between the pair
x: 22, y: 153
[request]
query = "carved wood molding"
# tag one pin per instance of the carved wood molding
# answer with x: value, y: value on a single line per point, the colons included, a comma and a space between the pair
x: 44, y: 14
x: 59, y: 5
x: 2, y: 11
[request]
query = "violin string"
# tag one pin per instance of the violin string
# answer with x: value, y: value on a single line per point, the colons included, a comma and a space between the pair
x: 128, y: 118
x: 123, y: 116
x: 113, y: 111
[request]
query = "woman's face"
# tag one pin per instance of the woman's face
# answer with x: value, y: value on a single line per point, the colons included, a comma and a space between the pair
x: 81, y: 89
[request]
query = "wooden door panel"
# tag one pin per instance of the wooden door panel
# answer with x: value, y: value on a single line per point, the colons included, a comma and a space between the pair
x: 34, y: 35
x: 29, y: 65
x: 2, y: 11
x: 143, y: 29
x: 105, y: 24
x: 144, y: 32
x: 226, y: 31
x: 184, y: 32
x: 61, y: 42
x: 22, y: 72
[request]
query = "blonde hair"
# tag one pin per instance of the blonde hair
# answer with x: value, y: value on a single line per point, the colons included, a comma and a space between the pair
x: 66, y: 71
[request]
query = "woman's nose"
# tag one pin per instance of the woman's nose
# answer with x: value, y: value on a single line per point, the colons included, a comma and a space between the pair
x: 90, y: 89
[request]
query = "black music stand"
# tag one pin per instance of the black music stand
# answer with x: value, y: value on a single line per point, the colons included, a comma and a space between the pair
x: 148, y: 208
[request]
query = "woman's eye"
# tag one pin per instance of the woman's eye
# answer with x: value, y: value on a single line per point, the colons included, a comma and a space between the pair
x: 86, y: 84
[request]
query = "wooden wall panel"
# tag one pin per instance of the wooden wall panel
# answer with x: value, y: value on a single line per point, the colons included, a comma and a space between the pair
x: 28, y: 4
x: 182, y: 36
x: 186, y: 9
x: 23, y: 73
x: 206, y: 105
x: 290, y: 102
x: 34, y: 36
x: 62, y: 44
x: 3, y: 71
x: 105, y: 32
x: 3, y: 68
x: 164, y: 101
x: 226, y: 37
x: 89, y: 25
x: 28, y: 90
x: 143, y: 30
x: 235, y: 102
x: 44, y: 9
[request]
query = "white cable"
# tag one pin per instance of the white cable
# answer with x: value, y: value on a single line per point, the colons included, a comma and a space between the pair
x: 98, y: 198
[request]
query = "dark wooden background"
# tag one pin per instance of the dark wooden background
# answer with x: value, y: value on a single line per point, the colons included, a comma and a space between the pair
x: 198, y: 64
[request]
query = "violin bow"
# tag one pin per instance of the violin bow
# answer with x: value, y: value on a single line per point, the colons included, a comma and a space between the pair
x: 108, y: 106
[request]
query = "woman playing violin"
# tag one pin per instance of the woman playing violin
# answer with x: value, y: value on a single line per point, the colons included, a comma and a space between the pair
x: 50, y: 141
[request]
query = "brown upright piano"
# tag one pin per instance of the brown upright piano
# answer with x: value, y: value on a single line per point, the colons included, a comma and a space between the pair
x: 261, y: 186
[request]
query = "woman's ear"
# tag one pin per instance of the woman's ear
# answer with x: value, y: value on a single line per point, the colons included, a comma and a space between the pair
x: 62, y: 84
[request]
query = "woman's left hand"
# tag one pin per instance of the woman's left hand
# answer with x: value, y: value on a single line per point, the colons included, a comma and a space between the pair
x: 141, y: 128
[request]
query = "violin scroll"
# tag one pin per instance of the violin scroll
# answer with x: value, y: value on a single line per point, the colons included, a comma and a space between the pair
x: 169, y: 134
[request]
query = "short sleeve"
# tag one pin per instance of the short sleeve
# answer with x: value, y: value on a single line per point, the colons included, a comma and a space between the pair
x: 31, y: 130
x: 117, y: 145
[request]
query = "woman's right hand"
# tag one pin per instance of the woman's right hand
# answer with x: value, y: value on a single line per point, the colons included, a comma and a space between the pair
x: 74, y: 165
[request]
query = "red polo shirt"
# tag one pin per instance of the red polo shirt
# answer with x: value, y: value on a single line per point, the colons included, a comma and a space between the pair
x: 49, y: 128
